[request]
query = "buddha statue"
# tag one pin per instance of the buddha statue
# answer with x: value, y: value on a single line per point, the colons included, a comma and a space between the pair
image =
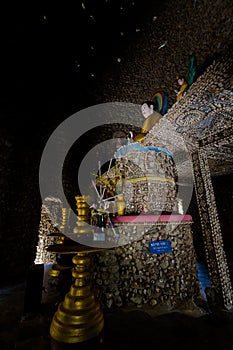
x: 148, y: 109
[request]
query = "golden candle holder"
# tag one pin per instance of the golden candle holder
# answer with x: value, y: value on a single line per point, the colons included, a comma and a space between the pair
x: 65, y: 219
x: 79, y: 317
x: 83, y: 215
x: 81, y: 228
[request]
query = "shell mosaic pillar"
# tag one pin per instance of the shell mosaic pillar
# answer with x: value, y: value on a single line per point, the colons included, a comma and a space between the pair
x: 212, y: 236
x: 48, y: 234
x: 203, y: 117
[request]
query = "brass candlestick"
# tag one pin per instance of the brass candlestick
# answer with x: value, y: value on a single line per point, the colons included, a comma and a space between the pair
x: 83, y: 215
x: 65, y: 224
x: 79, y: 317
x: 80, y: 229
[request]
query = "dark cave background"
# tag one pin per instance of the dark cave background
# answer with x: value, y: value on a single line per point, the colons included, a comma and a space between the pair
x: 58, y: 58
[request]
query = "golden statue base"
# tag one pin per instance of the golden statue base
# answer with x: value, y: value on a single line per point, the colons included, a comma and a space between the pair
x: 79, y: 317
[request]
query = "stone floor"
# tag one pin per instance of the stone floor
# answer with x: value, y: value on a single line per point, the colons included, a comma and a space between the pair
x: 189, y: 327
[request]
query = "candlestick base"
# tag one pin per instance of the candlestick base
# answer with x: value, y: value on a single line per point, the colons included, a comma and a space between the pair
x: 79, y: 317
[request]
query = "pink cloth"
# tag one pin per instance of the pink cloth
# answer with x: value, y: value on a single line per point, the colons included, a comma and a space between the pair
x: 151, y: 218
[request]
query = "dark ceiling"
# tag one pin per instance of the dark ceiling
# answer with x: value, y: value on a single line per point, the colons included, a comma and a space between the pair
x: 56, y: 51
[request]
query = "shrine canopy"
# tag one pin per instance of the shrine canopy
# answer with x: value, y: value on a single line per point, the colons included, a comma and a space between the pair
x: 203, y: 117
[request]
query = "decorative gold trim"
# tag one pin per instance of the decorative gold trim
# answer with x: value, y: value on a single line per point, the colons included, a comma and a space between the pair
x: 150, y: 178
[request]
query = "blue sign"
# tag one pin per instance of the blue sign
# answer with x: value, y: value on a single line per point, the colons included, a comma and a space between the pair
x: 159, y: 247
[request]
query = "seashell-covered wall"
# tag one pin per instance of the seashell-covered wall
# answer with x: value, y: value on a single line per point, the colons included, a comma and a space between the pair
x: 130, y: 275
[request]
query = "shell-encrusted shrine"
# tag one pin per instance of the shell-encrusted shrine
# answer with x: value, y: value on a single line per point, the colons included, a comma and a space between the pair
x: 155, y: 264
x: 149, y: 179
x: 152, y: 261
x: 144, y: 273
